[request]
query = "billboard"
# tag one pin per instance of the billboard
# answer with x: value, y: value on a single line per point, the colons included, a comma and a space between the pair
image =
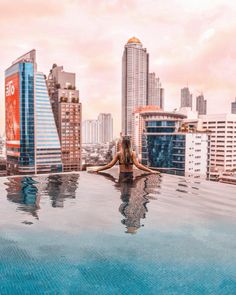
x: 12, y: 94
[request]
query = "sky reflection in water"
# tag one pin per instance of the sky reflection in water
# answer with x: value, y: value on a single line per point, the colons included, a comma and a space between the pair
x: 101, y: 234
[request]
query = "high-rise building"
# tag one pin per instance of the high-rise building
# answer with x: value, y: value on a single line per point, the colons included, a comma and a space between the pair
x: 105, y: 128
x: 32, y: 141
x: 67, y: 111
x: 233, y: 107
x: 90, y: 131
x: 155, y: 91
x: 222, y: 150
x: 163, y: 143
x: 201, y: 105
x: 135, y: 63
x: 186, y: 98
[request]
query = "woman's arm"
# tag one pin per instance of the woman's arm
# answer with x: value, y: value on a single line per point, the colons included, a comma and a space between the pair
x: 109, y: 165
x: 142, y: 167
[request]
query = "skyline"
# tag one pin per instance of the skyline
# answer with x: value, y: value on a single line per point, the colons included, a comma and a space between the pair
x: 188, y: 44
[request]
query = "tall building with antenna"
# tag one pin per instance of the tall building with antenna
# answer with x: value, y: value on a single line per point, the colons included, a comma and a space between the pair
x: 186, y: 98
x: 201, y: 105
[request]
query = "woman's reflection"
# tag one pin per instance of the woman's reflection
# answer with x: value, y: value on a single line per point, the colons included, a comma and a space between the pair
x: 134, y: 196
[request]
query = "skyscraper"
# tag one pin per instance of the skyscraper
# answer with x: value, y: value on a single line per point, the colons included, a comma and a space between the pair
x: 135, y: 63
x: 155, y: 91
x: 67, y: 113
x: 90, y: 131
x: 32, y: 141
x: 105, y: 128
x: 201, y: 105
x: 233, y: 107
x: 186, y: 98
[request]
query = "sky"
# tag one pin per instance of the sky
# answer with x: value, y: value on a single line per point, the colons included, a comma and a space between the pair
x: 189, y: 43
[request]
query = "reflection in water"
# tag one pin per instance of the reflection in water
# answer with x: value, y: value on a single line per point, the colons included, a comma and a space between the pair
x: 27, y: 192
x: 60, y: 187
x: 135, y: 195
x: 23, y: 191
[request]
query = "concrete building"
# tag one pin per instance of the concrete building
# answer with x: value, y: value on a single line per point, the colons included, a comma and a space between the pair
x: 67, y: 111
x: 135, y: 63
x: 161, y: 142
x: 90, y: 131
x: 201, y: 105
x: 155, y: 91
x: 32, y: 141
x: 186, y: 98
x: 105, y: 128
x: 233, y: 107
x: 222, y: 150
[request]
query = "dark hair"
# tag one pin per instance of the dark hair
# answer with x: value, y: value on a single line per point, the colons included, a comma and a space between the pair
x: 127, y: 151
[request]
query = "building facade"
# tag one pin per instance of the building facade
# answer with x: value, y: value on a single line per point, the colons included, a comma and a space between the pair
x: 105, y: 128
x: 32, y: 141
x: 222, y: 150
x: 135, y: 68
x: 67, y: 111
x: 186, y: 98
x: 155, y: 91
x: 201, y: 105
x: 90, y: 131
x: 163, y: 143
x: 233, y: 107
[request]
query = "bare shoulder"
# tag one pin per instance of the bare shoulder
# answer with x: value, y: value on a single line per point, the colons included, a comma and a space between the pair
x: 134, y: 155
x: 118, y: 155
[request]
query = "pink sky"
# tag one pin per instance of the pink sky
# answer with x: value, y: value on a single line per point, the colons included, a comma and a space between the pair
x: 188, y: 41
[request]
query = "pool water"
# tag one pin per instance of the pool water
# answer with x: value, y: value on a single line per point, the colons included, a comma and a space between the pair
x: 98, y: 234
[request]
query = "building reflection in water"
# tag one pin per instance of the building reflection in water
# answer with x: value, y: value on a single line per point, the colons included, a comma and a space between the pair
x: 135, y: 195
x: 60, y: 187
x: 24, y: 191
x: 27, y: 192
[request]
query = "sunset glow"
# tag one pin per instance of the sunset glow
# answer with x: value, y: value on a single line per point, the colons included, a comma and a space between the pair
x: 189, y: 42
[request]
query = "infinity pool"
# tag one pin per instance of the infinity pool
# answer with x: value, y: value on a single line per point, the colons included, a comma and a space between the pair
x: 95, y: 234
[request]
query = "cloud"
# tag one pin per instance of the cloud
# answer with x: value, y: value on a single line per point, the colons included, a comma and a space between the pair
x: 188, y: 41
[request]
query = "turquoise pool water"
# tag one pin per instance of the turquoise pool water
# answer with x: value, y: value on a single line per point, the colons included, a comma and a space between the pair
x: 93, y: 234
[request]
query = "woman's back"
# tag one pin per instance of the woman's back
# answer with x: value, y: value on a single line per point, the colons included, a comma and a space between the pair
x: 126, y: 163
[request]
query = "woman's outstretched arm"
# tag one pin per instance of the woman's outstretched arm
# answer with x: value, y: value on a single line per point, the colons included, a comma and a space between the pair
x: 142, y: 167
x: 109, y: 165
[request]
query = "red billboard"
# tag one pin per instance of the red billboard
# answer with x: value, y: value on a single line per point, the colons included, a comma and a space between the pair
x: 12, y: 93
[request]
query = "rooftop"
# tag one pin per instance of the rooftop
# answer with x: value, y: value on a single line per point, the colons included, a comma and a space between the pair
x: 134, y: 40
x: 87, y: 233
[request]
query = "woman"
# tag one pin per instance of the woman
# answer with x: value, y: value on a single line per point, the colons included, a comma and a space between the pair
x: 127, y: 158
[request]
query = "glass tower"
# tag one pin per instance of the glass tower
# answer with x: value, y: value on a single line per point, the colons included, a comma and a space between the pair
x: 31, y: 136
x: 162, y: 147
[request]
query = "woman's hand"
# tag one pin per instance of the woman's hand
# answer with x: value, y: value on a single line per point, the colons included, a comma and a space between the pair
x: 92, y: 171
x: 156, y: 172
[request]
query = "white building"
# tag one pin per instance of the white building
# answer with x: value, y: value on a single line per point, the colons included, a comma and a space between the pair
x: 90, y: 132
x: 105, y: 128
x: 196, y: 153
x: 134, y: 81
x: 222, y: 151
